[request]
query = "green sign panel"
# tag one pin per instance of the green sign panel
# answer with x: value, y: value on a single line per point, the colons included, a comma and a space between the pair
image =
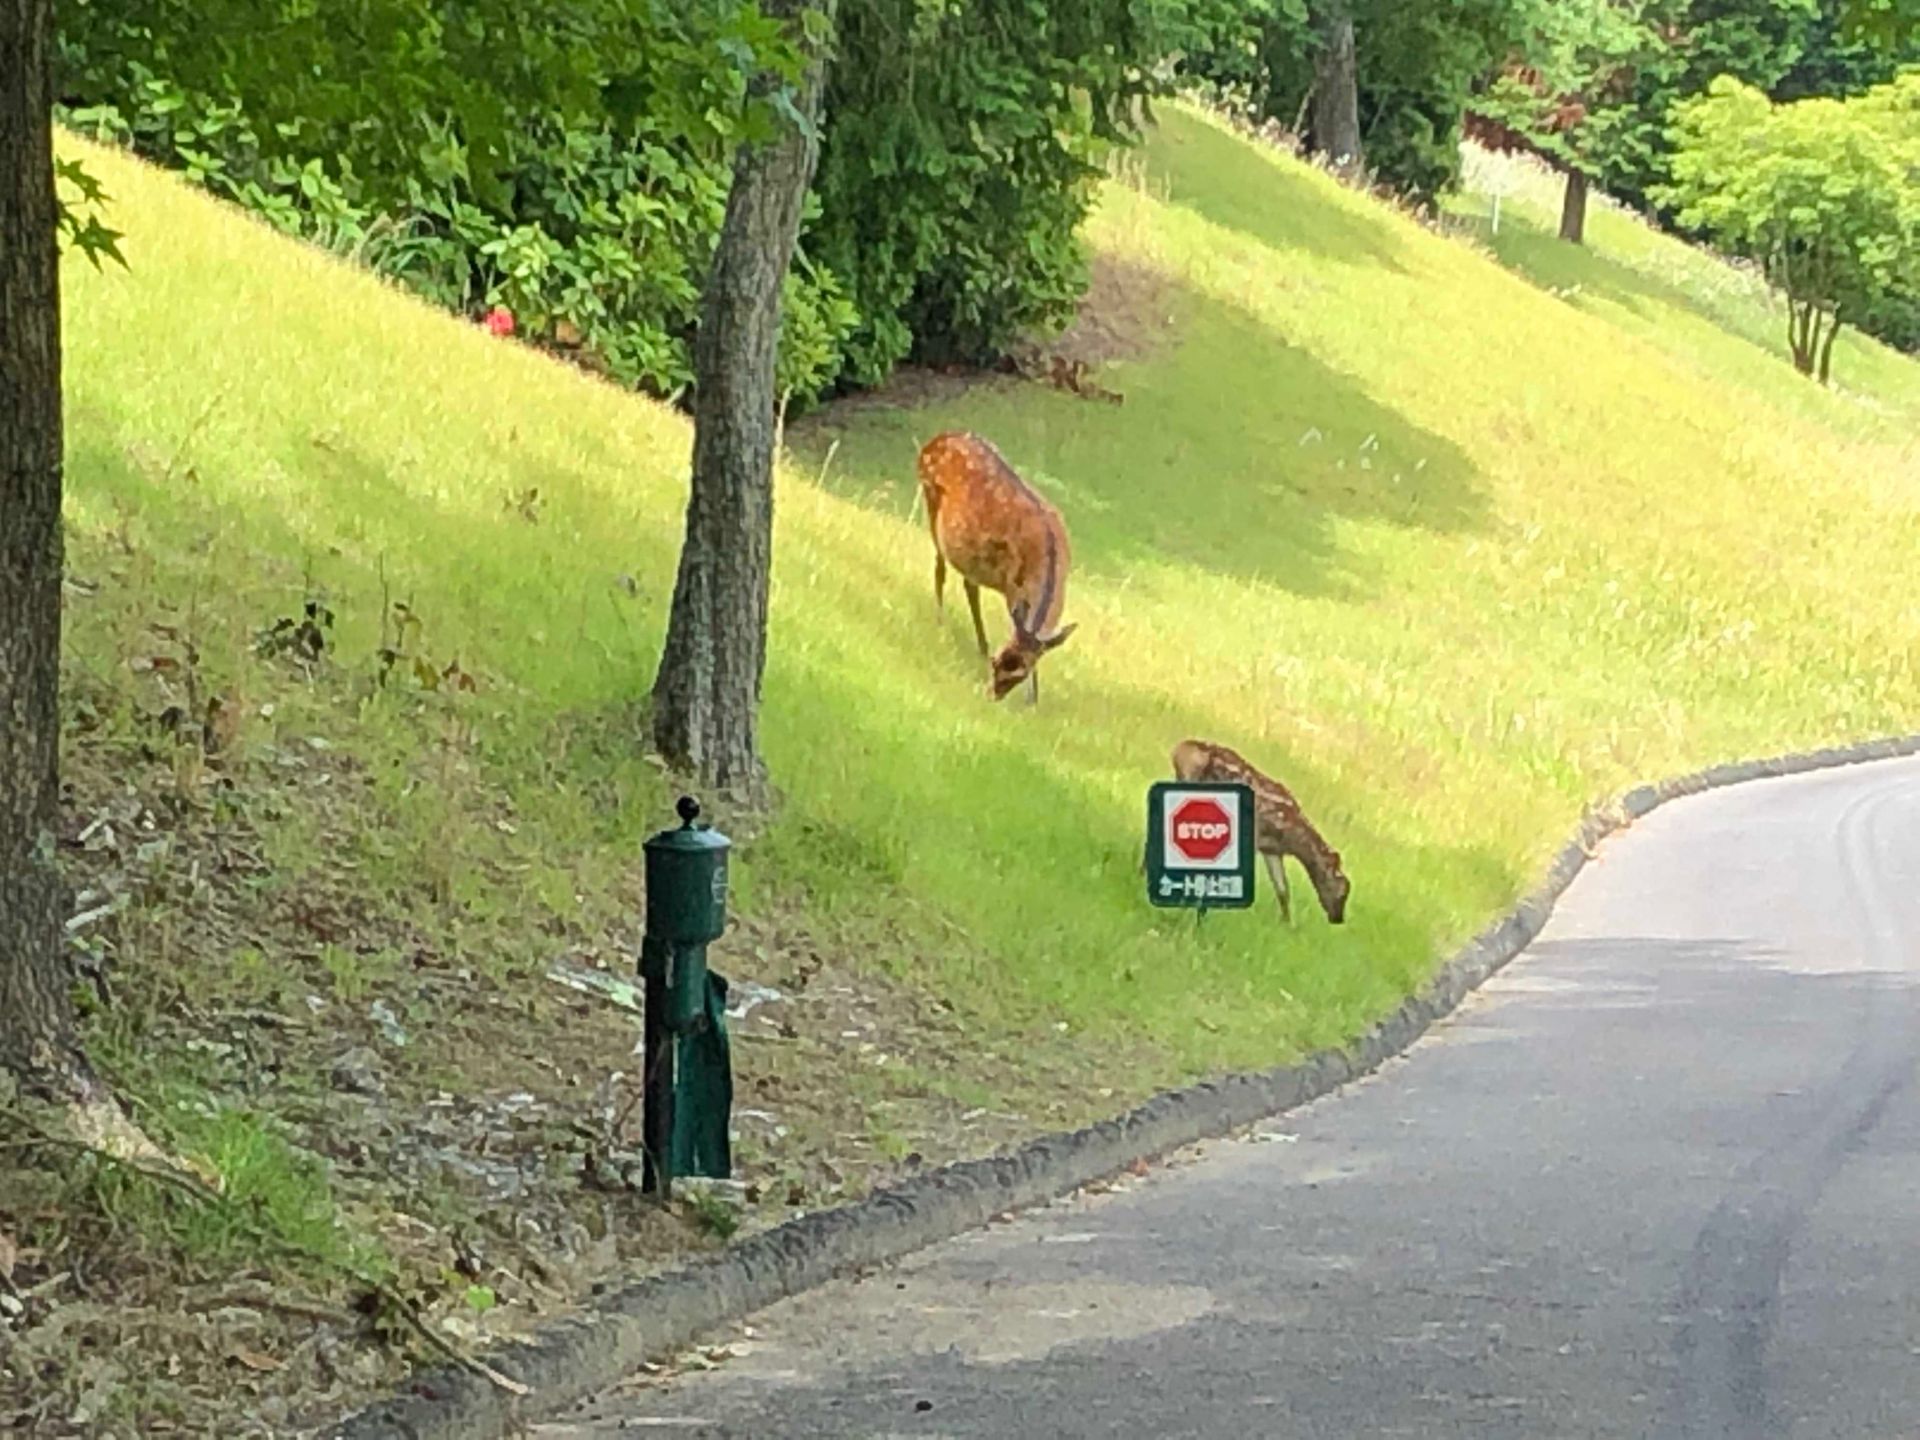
x: 1200, y: 845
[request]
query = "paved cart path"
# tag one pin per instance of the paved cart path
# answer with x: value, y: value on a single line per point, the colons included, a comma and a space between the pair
x: 1661, y: 1178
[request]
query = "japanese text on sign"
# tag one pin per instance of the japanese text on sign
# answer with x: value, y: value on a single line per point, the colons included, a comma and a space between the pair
x: 1202, y: 887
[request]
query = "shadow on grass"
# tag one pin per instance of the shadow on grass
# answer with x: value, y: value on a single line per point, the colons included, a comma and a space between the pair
x: 1573, y: 272
x: 999, y: 827
x: 1705, y: 322
x: 1201, y: 168
x: 1243, y: 455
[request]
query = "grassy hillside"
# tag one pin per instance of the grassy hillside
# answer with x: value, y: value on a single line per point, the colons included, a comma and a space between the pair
x: 1451, y: 553
x: 1711, y: 317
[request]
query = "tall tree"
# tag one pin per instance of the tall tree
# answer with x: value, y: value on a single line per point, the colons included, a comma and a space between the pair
x: 1568, y: 93
x: 1336, y: 88
x: 1821, y: 192
x: 706, y: 696
x: 1758, y: 42
x: 36, y: 1018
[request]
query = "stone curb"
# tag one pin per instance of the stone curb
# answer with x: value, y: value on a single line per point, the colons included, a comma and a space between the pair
x: 575, y: 1358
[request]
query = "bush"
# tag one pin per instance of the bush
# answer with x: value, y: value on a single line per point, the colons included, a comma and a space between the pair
x: 569, y: 161
x: 962, y: 146
x: 600, y: 248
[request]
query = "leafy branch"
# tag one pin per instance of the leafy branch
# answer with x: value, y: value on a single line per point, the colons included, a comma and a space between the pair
x: 79, y: 223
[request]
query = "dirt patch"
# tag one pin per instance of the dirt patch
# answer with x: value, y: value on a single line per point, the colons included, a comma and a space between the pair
x: 1127, y: 314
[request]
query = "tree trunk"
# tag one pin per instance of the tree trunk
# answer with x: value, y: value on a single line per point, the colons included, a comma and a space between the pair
x: 706, y: 697
x: 1800, y: 334
x: 1336, y: 90
x: 1573, y: 208
x: 36, y: 1018
x: 1826, y: 348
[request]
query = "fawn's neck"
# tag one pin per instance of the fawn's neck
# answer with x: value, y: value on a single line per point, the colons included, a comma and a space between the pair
x: 1319, y: 859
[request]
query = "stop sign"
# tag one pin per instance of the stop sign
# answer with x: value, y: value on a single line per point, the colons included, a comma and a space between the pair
x: 1200, y: 829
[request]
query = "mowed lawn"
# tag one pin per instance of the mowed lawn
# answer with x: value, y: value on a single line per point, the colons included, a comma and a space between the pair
x: 1450, y: 554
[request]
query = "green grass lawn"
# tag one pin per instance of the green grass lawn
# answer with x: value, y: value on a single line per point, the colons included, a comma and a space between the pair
x: 1454, y: 536
x: 1452, y: 555
x: 1449, y: 554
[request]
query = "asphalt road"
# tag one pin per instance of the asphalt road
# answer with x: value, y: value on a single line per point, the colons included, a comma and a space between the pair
x: 1660, y: 1179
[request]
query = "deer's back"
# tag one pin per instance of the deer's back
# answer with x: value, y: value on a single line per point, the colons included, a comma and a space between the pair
x: 991, y: 525
x: 1275, y: 810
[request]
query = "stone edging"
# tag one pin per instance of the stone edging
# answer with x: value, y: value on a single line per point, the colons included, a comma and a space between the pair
x: 576, y: 1357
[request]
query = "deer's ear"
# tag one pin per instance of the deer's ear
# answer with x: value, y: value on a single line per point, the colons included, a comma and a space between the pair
x: 1059, y: 637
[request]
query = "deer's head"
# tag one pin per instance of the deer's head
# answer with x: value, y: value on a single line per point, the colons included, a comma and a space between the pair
x: 1334, y: 898
x: 1192, y: 760
x: 1018, y: 656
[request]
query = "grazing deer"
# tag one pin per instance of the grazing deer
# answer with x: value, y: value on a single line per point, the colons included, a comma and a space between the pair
x: 997, y: 531
x: 1280, y: 829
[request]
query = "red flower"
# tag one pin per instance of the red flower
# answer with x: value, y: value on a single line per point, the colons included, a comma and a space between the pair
x: 499, y: 321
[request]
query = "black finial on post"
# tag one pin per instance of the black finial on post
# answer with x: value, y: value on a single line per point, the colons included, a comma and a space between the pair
x: 688, y: 809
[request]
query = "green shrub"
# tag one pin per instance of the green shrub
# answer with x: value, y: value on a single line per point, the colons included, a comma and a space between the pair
x: 570, y: 162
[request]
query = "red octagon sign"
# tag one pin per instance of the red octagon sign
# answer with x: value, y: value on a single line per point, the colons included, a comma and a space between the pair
x: 1201, y: 829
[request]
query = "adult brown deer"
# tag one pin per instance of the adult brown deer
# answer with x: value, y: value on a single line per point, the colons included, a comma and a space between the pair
x: 997, y: 531
x: 1280, y: 829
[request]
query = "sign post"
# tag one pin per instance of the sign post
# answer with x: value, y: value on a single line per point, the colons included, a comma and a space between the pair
x: 1199, y: 846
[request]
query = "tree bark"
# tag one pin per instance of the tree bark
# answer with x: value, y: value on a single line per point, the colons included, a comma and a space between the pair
x: 1796, y: 334
x: 1573, y: 208
x: 1826, y: 348
x: 706, y: 697
x: 36, y: 1016
x: 1336, y: 90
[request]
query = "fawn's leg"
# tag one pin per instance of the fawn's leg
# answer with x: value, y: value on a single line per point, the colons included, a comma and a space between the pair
x: 1277, y: 872
x: 939, y: 584
x: 979, y: 625
x: 1033, y: 687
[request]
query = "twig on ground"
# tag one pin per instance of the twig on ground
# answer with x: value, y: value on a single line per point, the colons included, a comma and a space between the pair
x: 203, y: 1194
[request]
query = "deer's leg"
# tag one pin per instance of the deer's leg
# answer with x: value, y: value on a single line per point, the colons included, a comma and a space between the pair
x: 939, y: 584
x: 979, y: 625
x: 1277, y: 872
x: 1033, y: 687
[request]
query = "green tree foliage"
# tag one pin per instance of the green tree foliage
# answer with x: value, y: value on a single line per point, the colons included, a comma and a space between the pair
x: 962, y: 143
x: 569, y: 161
x: 566, y: 162
x: 1841, y: 59
x: 1569, y: 91
x: 1824, y: 193
x: 1790, y: 49
x: 385, y: 90
x: 1889, y: 24
x: 1418, y: 66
